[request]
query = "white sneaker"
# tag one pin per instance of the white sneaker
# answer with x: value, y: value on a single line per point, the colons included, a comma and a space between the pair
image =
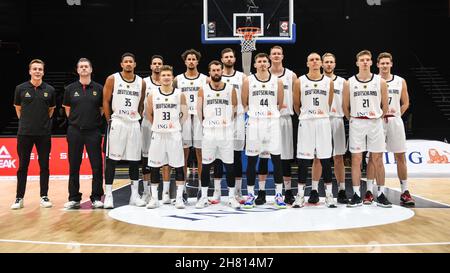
x: 109, y: 202
x: 299, y: 201
x: 72, y: 205
x: 45, y: 202
x: 18, y: 204
x: 146, y: 197
x: 232, y: 202
x: 239, y: 197
x: 166, y: 198
x: 153, y: 204
x: 135, y: 200
x: 179, y: 203
x: 216, y: 197
x: 329, y: 201
x: 97, y: 204
x: 202, y: 202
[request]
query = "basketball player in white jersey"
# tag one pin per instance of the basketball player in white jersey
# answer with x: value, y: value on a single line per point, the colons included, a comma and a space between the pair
x: 337, y: 129
x: 232, y: 77
x: 166, y: 111
x: 151, y: 82
x: 365, y: 103
x: 394, y: 128
x: 313, y: 96
x: 124, y: 94
x: 287, y: 138
x: 262, y: 93
x: 190, y: 82
x: 216, y: 107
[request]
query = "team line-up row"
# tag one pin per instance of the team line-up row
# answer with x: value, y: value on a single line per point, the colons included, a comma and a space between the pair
x: 208, y: 113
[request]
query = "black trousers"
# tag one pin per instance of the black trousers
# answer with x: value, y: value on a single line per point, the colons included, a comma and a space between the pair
x: 24, y: 146
x: 76, y: 140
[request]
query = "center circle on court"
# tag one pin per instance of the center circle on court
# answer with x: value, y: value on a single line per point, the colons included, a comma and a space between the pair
x: 266, y: 218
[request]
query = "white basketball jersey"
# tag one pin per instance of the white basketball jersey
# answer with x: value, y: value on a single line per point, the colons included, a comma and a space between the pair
x: 314, y: 97
x: 149, y: 85
x: 365, y: 97
x: 286, y: 78
x: 236, y: 80
x: 217, y: 106
x: 190, y: 89
x: 125, y: 97
x: 263, y: 97
x: 395, y: 89
x: 166, y: 111
x: 336, y: 106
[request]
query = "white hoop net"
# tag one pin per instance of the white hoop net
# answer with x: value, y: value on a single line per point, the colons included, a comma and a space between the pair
x: 248, y: 45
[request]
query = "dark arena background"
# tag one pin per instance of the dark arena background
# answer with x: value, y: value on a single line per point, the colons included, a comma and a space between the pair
x: 61, y: 32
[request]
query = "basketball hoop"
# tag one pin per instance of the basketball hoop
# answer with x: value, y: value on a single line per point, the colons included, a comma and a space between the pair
x: 248, y: 45
x: 248, y: 38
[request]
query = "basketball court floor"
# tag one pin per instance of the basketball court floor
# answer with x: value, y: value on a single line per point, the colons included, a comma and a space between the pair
x: 218, y: 228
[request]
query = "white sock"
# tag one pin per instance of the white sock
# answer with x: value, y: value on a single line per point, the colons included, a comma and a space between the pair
x: 315, y: 185
x: 287, y: 184
x: 166, y: 186
x: 356, y: 190
x: 278, y: 188
x: 301, y: 189
x: 250, y: 190
x: 231, y: 192
x: 380, y: 190
x: 404, y: 185
x: 180, y: 189
x: 204, y: 192
x: 342, y: 186
x: 217, y: 186
x: 262, y: 185
x: 146, y: 187
x: 238, y: 184
x: 155, y: 190
x: 108, y: 189
x: 329, y: 189
x: 369, y: 184
x: 134, y: 187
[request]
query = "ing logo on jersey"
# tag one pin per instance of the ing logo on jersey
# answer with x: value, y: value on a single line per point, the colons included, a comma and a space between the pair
x: 192, y: 83
x: 315, y: 85
x: 217, y: 95
x: 167, y: 99
x: 365, y: 86
x: 263, y: 86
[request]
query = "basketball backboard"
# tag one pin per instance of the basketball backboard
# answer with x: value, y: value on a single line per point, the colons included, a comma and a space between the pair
x: 222, y: 18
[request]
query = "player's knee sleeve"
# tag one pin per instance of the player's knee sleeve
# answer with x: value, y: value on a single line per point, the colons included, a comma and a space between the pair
x: 231, y: 181
x: 277, y: 169
x: 218, y: 169
x: 133, y: 170
x: 326, y: 170
x: 156, y: 176
x: 238, y: 163
x: 251, y: 171
x: 179, y: 174
x: 263, y: 166
x: 146, y: 169
x: 286, y: 166
x: 303, y: 166
x: 110, y: 170
x: 205, y: 177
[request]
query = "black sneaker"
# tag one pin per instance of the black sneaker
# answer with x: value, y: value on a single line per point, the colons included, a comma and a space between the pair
x: 289, y: 197
x: 261, y: 199
x: 342, y: 197
x: 383, y: 202
x: 313, y: 197
x: 356, y: 201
